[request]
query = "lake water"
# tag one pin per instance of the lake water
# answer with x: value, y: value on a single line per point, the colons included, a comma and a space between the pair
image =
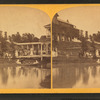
x: 24, y: 77
x: 76, y: 75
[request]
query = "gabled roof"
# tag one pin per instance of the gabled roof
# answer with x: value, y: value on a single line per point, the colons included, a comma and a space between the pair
x: 47, y: 26
x: 66, y: 22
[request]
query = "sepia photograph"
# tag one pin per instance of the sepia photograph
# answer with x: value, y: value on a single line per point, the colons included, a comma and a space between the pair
x: 76, y: 47
x: 25, y: 48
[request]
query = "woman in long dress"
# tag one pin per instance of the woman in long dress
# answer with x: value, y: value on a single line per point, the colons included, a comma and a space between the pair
x: 31, y: 51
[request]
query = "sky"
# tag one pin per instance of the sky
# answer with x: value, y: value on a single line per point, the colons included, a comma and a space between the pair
x: 23, y: 20
x: 86, y: 18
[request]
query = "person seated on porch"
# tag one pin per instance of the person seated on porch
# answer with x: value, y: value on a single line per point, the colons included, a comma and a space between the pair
x: 31, y: 51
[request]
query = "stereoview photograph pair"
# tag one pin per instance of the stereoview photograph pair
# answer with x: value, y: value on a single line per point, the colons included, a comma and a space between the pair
x: 36, y: 51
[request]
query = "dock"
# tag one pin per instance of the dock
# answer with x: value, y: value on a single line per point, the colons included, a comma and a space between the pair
x: 33, y: 50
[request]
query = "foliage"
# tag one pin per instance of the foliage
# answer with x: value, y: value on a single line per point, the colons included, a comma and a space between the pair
x: 26, y: 37
x: 96, y: 37
x: 93, y: 49
x: 84, y: 45
x: 7, y: 43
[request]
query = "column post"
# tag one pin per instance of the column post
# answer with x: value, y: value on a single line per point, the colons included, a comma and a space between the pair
x: 38, y: 49
x: 27, y: 47
x: 33, y: 48
x: 41, y: 53
x: 47, y: 48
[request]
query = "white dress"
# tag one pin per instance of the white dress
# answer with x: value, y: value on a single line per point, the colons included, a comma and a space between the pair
x: 31, y: 51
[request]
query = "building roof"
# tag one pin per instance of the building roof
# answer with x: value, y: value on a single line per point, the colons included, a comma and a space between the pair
x: 66, y: 22
x: 47, y: 26
x: 31, y: 43
x: 63, y: 27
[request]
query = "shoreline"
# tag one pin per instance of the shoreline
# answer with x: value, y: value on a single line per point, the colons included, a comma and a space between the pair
x: 64, y: 61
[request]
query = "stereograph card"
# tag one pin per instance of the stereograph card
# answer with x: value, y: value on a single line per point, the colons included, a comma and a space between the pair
x: 49, y: 48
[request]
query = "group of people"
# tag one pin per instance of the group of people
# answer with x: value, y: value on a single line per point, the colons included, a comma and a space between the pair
x: 86, y: 54
x: 26, y: 52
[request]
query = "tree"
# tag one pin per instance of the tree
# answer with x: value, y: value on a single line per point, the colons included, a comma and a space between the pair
x: 10, y: 38
x: 36, y: 39
x: 94, y: 49
x: 43, y: 38
x: 86, y: 34
x: 97, y: 36
x: 18, y: 37
x: 1, y: 36
x: 84, y: 45
x: 4, y: 45
x: 5, y: 36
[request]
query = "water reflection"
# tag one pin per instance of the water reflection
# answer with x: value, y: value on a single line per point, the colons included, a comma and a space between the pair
x: 24, y: 77
x: 76, y: 76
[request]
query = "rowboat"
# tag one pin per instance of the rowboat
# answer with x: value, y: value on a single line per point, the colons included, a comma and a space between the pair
x: 18, y: 62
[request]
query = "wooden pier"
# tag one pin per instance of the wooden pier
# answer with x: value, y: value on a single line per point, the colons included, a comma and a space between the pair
x: 33, y: 50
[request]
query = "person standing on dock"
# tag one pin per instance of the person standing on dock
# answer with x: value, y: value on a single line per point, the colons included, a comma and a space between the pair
x: 31, y: 51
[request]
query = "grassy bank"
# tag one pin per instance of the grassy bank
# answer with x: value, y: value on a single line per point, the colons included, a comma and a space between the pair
x: 64, y: 59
